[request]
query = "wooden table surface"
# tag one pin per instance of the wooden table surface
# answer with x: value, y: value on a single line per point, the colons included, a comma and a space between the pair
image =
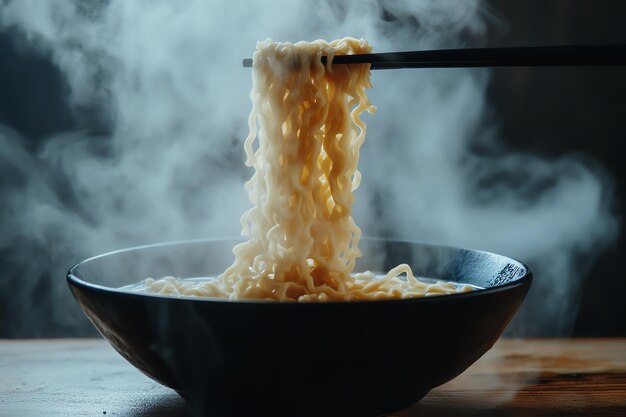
x: 86, y: 377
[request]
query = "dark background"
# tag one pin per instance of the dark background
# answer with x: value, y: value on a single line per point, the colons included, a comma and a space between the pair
x: 546, y: 111
x: 553, y: 111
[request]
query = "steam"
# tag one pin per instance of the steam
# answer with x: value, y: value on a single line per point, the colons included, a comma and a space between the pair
x: 167, y: 82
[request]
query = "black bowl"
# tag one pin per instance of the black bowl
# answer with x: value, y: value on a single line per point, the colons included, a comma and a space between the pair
x: 251, y: 358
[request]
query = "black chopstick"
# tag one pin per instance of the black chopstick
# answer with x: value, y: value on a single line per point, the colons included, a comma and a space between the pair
x: 530, y: 56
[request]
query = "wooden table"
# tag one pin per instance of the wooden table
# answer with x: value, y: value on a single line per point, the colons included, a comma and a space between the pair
x: 564, y: 377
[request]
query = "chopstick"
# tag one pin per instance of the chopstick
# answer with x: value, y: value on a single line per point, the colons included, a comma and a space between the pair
x: 529, y: 56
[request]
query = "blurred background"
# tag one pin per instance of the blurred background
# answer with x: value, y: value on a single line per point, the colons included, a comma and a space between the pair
x: 123, y: 124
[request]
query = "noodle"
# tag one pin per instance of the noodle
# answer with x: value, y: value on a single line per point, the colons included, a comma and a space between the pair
x: 305, y: 136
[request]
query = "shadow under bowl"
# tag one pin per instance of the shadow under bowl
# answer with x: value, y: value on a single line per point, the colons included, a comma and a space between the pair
x: 236, y: 358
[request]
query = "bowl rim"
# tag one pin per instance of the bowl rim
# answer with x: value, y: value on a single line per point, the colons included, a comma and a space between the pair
x: 74, y: 280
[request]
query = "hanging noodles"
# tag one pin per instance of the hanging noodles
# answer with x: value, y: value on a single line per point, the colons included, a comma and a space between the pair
x: 305, y: 135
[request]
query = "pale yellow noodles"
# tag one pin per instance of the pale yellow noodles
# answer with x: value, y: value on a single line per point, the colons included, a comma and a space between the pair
x: 305, y: 135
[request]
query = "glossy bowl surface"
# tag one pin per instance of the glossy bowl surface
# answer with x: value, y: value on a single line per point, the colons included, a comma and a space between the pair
x: 253, y: 358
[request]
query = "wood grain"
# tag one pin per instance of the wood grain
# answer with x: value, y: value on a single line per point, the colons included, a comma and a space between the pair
x: 560, y: 377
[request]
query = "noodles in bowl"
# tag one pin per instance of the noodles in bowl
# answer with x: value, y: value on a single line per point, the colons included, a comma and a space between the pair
x: 265, y: 358
x: 229, y: 354
x: 305, y: 136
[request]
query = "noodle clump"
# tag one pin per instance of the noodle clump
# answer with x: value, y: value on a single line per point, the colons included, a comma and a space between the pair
x: 305, y: 135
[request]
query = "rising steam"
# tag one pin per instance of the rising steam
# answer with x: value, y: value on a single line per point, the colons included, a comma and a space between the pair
x: 166, y: 79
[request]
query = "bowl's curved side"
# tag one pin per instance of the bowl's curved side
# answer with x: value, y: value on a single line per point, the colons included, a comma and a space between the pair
x: 122, y: 320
